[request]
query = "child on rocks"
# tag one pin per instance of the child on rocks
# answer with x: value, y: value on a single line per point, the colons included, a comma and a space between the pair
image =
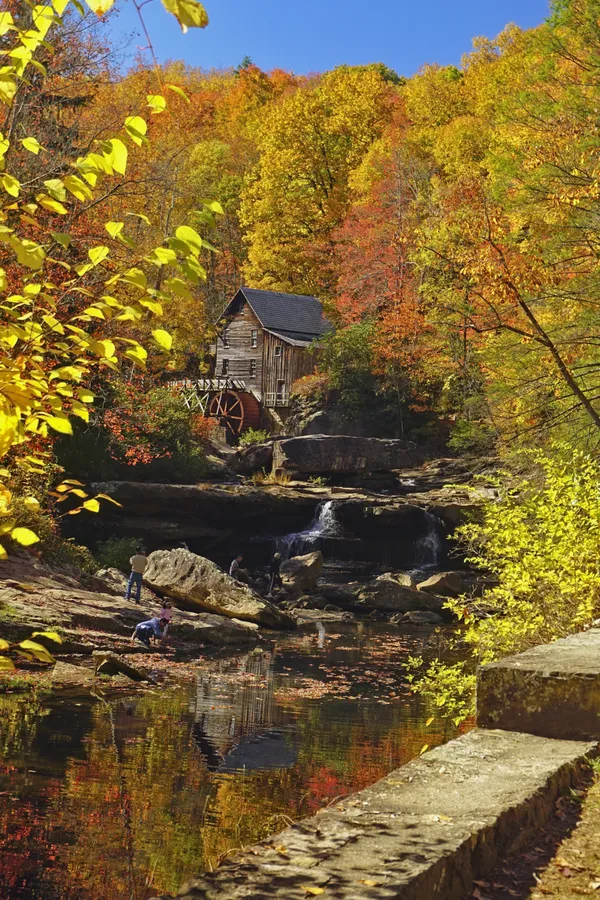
x: 166, y: 614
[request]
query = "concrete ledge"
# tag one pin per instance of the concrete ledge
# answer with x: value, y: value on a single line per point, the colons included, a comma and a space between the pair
x: 423, y: 832
x: 552, y: 690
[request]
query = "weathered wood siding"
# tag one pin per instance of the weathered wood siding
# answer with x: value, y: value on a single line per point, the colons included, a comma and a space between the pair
x: 293, y: 363
x: 240, y: 351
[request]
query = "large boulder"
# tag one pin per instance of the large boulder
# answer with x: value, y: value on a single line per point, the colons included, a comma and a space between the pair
x: 421, y: 617
x: 206, y: 628
x: 386, y: 592
x: 197, y: 584
x: 301, y: 573
x: 448, y: 584
x: 341, y: 454
x: 254, y: 458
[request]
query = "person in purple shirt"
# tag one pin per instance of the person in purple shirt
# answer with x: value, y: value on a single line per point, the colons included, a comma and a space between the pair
x: 146, y: 630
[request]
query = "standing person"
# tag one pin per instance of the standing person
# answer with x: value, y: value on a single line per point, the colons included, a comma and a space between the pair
x: 236, y: 571
x: 138, y: 564
x: 146, y: 630
x: 275, y: 573
x: 166, y: 614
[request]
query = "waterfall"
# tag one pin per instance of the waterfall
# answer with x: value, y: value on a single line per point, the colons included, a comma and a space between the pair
x: 429, y: 549
x: 324, y: 524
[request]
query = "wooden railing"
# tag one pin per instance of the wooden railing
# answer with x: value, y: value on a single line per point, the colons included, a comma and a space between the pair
x: 277, y: 399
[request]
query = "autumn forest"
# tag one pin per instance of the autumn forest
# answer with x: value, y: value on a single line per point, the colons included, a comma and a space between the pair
x: 447, y: 222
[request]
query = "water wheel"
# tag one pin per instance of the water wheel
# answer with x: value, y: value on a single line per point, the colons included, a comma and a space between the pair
x: 228, y: 408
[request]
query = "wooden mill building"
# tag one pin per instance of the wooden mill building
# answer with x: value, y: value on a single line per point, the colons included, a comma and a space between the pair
x: 262, y: 346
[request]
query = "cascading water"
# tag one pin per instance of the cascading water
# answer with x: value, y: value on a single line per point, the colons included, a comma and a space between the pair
x: 429, y: 549
x: 298, y: 543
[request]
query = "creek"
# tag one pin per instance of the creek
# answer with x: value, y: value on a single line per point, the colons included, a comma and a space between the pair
x: 128, y: 796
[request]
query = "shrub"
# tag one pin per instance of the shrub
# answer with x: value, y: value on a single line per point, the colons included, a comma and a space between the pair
x: 471, y: 436
x: 311, y: 387
x: 539, y: 540
x: 68, y: 553
x: 253, y: 436
x: 116, y: 552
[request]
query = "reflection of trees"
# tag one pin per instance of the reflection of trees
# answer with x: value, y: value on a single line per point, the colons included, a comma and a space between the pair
x: 137, y: 811
x: 137, y: 798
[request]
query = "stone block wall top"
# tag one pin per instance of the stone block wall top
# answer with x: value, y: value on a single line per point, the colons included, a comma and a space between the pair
x: 552, y: 690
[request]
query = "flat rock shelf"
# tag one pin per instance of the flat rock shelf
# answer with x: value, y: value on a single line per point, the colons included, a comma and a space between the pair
x: 427, y: 830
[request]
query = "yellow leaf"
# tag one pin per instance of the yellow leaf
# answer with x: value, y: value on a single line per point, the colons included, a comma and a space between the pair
x: 60, y: 424
x: 177, y: 90
x: 189, y: 237
x: 163, y: 338
x: 24, y: 536
x: 6, y: 664
x: 51, y: 635
x: 110, y: 499
x: 6, y: 22
x: 136, y: 128
x: 51, y: 205
x: 4, y: 645
x: 105, y: 349
x: 56, y: 188
x: 32, y: 144
x: 38, y: 650
x: 100, y: 6
x: 114, y: 228
x: 429, y: 721
x: 31, y: 503
x: 157, y: 103
x: 92, y: 506
x: 97, y: 254
x: 315, y: 891
x: 10, y: 185
x: 77, y: 187
x: 3, y: 553
x: 63, y: 239
x: 8, y: 87
x: 423, y: 749
x: 118, y: 155
x: 189, y: 13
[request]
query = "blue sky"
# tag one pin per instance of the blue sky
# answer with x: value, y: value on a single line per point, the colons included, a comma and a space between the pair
x: 316, y: 35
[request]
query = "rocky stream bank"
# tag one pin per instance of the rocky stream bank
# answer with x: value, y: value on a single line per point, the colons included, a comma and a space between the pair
x: 349, y: 553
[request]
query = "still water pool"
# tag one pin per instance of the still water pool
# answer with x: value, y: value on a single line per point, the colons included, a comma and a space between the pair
x: 126, y: 797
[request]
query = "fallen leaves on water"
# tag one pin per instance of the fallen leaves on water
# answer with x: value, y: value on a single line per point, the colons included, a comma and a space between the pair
x: 315, y: 891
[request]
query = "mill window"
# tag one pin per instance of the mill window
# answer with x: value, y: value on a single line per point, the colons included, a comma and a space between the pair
x: 254, y: 338
x: 225, y: 367
x: 225, y: 338
x: 252, y: 368
x: 280, y: 391
x: 278, y: 350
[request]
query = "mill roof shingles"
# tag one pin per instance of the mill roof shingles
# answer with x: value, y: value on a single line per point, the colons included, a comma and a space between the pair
x: 293, y: 314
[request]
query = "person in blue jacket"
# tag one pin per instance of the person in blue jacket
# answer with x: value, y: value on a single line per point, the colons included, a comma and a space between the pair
x: 152, y: 628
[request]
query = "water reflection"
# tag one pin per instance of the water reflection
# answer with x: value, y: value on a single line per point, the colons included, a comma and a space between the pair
x: 128, y: 798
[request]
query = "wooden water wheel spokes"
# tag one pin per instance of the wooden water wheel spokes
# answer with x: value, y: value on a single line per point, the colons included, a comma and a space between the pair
x: 228, y: 408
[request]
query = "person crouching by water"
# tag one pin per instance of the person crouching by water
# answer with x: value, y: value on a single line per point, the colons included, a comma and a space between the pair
x: 153, y: 628
x: 166, y: 614
x: 138, y: 564
x: 275, y: 573
x: 236, y: 571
